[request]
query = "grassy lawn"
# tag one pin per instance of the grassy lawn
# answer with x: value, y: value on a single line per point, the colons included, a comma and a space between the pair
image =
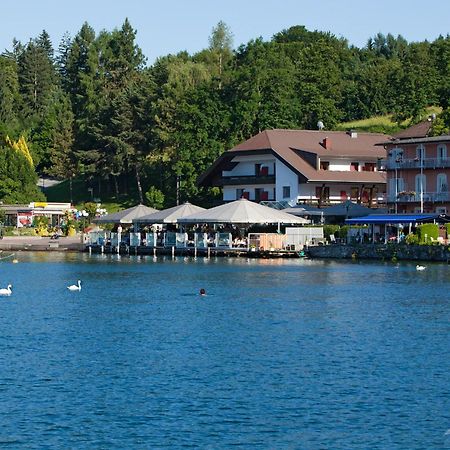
x: 81, y: 195
x: 382, y: 124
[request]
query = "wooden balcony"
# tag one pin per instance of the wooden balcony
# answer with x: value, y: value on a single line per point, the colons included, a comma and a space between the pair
x: 248, y: 180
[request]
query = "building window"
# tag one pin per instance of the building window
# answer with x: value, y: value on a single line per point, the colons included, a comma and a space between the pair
x: 257, y: 170
x: 420, y: 153
x: 421, y: 184
x: 441, y: 153
x: 324, y: 165
x: 286, y: 192
x: 442, y: 183
x: 239, y: 193
x: 354, y: 167
x: 369, y: 167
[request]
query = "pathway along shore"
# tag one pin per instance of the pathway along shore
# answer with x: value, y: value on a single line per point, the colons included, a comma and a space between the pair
x: 37, y: 243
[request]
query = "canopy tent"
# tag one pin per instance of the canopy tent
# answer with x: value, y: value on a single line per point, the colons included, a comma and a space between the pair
x: 170, y: 215
x: 242, y: 212
x: 348, y: 209
x: 126, y: 215
x: 397, y: 218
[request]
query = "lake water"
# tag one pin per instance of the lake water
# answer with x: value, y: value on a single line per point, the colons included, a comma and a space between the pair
x: 281, y: 354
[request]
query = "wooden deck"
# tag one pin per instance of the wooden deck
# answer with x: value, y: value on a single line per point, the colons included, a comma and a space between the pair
x: 192, y: 251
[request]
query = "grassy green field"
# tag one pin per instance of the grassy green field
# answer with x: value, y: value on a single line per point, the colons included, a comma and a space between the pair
x: 383, y: 124
x: 80, y: 194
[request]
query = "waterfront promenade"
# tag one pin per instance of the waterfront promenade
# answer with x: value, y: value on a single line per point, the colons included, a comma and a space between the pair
x: 38, y: 243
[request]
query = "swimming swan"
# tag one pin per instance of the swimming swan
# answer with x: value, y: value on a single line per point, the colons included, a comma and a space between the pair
x: 419, y: 267
x: 6, y: 291
x: 75, y: 287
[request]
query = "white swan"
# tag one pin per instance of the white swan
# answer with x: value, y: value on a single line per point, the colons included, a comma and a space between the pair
x: 419, y: 267
x: 75, y: 287
x: 6, y: 291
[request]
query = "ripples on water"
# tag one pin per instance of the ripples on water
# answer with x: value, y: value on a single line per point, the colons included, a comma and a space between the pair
x: 279, y: 354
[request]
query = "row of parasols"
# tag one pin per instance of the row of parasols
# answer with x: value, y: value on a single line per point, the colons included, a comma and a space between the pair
x: 238, y: 212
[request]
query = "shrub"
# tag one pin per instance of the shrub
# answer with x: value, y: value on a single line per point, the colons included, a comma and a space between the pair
x: 412, y: 239
x: 431, y: 230
x: 155, y: 198
x: 41, y: 223
x: 329, y: 230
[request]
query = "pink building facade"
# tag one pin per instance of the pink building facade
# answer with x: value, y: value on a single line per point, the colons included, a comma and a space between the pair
x: 418, y: 173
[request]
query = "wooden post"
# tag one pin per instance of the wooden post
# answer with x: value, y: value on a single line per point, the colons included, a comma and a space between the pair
x: 209, y: 252
x: 173, y: 252
x: 154, y: 252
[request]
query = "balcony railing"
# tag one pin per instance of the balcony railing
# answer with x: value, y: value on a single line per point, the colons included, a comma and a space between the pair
x: 430, y: 197
x: 415, y: 163
x: 242, y: 180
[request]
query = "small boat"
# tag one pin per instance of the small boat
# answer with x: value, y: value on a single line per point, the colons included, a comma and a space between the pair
x: 419, y: 267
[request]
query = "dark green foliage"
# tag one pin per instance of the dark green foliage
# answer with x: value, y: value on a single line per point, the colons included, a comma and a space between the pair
x: 155, y: 198
x: 94, y: 112
x: 329, y: 230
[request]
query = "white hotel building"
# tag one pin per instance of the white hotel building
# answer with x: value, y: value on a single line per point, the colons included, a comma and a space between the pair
x: 302, y: 166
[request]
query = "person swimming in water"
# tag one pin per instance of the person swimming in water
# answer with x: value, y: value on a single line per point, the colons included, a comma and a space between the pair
x: 202, y: 291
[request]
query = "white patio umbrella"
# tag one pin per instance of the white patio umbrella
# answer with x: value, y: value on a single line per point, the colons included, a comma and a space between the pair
x: 170, y: 215
x: 242, y: 212
x: 126, y: 215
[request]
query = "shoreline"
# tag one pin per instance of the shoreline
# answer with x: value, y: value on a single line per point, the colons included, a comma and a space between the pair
x: 382, y: 252
x: 38, y: 243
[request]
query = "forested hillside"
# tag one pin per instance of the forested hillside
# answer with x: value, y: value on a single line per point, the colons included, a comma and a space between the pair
x: 94, y: 109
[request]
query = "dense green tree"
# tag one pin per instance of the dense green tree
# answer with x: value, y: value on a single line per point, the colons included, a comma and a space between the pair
x: 37, y: 77
x: 18, y: 179
x: 9, y: 90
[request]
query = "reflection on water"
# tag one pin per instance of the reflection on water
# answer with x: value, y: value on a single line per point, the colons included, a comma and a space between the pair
x: 279, y: 354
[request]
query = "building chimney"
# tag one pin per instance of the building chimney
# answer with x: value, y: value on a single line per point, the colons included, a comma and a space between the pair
x: 326, y: 143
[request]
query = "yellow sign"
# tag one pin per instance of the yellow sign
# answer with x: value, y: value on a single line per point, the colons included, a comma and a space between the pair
x: 40, y: 204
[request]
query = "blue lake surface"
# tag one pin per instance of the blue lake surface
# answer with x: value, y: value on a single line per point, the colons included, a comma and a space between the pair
x: 295, y: 354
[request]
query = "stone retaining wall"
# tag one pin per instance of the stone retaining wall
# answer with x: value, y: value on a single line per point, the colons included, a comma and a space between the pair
x: 382, y: 252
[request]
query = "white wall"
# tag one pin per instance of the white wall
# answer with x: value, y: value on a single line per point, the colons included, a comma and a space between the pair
x: 229, y: 192
x: 285, y: 177
x: 246, y: 166
x: 339, y: 165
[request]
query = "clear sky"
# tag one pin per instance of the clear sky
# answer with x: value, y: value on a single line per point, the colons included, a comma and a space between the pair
x: 170, y: 26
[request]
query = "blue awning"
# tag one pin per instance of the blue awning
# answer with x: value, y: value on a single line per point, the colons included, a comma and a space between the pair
x: 395, y: 218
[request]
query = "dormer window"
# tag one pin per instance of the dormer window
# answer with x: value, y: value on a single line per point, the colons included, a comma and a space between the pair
x: 324, y: 165
x: 354, y: 167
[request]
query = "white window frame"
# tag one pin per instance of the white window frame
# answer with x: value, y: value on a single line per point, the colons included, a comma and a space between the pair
x: 441, y: 183
x: 441, y: 153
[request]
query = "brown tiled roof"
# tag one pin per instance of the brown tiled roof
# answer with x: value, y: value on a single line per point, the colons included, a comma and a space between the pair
x: 420, y: 130
x: 288, y: 145
x: 350, y: 177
